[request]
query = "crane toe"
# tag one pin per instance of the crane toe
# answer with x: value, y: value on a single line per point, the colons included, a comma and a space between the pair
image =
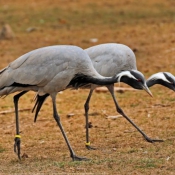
x: 153, y: 140
x: 76, y: 158
x: 90, y: 147
x: 17, y: 147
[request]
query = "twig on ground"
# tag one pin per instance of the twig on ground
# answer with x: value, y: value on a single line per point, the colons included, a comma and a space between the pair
x: 116, y: 89
x: 12, y: 111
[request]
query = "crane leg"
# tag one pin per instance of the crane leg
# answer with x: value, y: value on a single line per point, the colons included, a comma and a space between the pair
x: 17, y: 136
x: 86, y: 107
x: 120, y: 111
x: 57, y: 118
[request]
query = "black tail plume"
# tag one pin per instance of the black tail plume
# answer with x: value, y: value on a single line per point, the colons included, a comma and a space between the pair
x: 39, y: 102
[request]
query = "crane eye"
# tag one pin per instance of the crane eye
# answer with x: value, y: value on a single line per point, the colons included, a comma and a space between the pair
x: 139, y: 80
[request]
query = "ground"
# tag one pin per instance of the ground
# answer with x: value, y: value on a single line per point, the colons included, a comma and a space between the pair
x: 148, y: 28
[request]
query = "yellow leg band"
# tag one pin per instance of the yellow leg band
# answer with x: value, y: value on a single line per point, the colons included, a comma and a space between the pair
x: 87, y: 144
x: 17, y: 136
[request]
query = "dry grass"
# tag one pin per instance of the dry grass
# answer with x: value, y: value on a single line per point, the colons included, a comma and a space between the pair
x: 148, y: 27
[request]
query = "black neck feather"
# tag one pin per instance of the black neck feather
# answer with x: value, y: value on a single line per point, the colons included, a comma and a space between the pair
x: 81, y: 80
x: 161, y: 82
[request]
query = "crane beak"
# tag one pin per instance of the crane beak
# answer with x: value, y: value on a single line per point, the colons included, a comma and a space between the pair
x: 145, y: 87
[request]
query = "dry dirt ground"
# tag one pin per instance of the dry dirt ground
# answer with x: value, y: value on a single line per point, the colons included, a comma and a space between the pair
x: 148, y: 27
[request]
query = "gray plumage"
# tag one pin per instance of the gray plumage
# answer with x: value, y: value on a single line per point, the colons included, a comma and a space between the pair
x: 110, y: 59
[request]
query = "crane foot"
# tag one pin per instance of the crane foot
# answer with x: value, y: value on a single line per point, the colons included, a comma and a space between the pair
x: 153, y: 140
x: 90, y: 147
x: 76, y: 158
x: 17, y: 147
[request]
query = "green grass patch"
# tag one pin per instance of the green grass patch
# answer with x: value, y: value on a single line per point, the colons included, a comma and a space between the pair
x: 92, y: 14
x: 2, y: 149
x: 148, y: 163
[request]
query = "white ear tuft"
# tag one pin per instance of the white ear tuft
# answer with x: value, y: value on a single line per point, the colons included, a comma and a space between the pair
x: 125, y: 73
x: 159, y: 75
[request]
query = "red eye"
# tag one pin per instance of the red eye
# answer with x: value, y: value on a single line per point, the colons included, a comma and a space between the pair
x: 139, y: 80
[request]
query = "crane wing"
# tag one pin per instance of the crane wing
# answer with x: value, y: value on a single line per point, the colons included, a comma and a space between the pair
x: 110, y: 59
x: 48, y: 66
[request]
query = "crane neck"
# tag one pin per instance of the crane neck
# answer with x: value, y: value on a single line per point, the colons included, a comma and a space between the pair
x: 104, y: 80
x: 151, y: 82
x: 80, y: 80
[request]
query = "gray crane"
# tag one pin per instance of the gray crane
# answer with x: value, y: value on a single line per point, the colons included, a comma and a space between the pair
x: 52, y: 69
x: 110, y: 59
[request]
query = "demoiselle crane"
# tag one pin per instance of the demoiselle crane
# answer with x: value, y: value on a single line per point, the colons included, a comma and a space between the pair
x: 109, y: 60
x: 52, y: 69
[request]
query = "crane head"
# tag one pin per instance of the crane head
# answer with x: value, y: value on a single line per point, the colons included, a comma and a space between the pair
x: 164, y: 78
x: 135, y: 79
